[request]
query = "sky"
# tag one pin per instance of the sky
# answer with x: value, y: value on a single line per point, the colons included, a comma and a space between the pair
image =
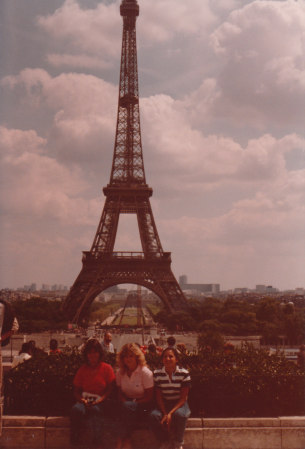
x: 222, y: 101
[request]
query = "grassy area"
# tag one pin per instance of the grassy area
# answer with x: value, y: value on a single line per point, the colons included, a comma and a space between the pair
x: 130, y: 320
x: 99, y: 311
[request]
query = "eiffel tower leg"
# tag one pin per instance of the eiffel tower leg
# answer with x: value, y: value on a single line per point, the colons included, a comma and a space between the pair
x: 148, y: 231
x: 81, y: 292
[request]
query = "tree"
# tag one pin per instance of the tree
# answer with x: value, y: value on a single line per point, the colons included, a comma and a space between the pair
x: 210, y: 340
x: 267, y: 310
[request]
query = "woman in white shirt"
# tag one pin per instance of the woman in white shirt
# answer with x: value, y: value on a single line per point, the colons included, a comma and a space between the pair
x: 135, y: 385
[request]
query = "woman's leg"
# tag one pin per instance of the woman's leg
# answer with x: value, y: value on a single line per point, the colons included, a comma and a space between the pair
x: 77, y: 416
x: 129, y: 410
x: 178, y: 424
x: 95, y: 421
x: 156, y: 427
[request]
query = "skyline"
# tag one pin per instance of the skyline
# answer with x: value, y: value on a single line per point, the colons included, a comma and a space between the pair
x: 222, y: 94
x: 34, y: 287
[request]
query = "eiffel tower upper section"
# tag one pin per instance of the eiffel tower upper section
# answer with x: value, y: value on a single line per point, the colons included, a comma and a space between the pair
x: 128, y: 167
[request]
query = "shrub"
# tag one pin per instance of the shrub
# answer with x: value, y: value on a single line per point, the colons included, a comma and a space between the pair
x: 245, y: 382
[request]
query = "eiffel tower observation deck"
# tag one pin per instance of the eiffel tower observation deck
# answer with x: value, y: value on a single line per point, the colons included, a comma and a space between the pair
x: 126, y: 193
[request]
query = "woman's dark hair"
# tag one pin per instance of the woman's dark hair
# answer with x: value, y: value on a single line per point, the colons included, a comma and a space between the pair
x: 53, y: 344
x: 25, y: 348
x: 170, y: 348
x: 93, y: 345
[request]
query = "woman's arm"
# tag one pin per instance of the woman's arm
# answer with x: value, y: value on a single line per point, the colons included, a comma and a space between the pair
x: 160, y: 402
x: 107, y: 392
x: 183, y: 398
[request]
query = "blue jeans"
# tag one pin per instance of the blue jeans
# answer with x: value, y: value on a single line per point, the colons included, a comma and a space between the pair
x: 130, y: 413
x: 93, y: 415
x: 178, y: 422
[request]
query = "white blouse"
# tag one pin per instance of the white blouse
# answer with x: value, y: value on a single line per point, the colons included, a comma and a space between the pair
x: 133, y: 387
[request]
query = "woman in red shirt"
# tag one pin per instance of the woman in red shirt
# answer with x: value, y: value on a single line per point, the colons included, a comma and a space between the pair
x: 93, y: 384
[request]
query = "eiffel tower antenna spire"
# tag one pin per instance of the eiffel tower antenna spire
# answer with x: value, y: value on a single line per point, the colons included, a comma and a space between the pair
x: 126, y: 193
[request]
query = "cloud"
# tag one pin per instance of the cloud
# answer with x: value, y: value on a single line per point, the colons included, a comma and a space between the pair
x: 83, y: 61
x: 203, y: 160
x: 260, y: 239
x: 91, y: 32
x: 261, y: 48
x: 37, y: 186
x: 83, y: 109
x: 163, y: 20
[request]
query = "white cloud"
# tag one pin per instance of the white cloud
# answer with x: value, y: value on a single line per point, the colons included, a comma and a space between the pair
x: 77, y: 61
x: 261, y: 47
x: 83, y: 108
x: 95, y: 32
x: 35, y: 185
x: 165, y: 19
x: 196, y: 159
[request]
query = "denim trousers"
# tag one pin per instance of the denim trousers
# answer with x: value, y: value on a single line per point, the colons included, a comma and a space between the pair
x: 92, y: 415
x: 130, y: 413
x: 178, y: 422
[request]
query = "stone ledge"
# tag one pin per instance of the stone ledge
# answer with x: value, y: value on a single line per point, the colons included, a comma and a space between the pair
x: 242, y: 422
x: 39, y: 432
x: 292, y: 421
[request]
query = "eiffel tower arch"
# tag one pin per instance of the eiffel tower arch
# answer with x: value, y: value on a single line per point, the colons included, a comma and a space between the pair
x: 126, y: 193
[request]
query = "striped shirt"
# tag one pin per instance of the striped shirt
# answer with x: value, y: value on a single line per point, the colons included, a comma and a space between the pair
x: 170, y: 389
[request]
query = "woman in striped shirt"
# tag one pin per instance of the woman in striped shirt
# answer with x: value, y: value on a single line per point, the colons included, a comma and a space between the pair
x: 172, y: 385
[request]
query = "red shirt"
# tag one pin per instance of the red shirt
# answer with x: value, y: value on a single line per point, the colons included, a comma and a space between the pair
x: 94, y: 380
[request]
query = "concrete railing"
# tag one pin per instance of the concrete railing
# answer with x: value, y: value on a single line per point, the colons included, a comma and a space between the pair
x: 35, y: 432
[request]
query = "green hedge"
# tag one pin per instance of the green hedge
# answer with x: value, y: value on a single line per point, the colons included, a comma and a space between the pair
x: 247, y: 382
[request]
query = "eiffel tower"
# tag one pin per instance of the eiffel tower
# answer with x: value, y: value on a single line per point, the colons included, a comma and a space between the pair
x: 126, y: 193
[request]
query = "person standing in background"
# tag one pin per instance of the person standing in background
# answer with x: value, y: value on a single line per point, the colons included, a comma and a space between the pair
x: 1, y: 322
x: 24, y: 354
x: 106, y: 343
x: 8, y: 325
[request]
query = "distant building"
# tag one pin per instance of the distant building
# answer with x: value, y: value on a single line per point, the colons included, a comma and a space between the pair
x: 266, y: 289
x: 199, y: 288
x: 241, y: 290
x: 183, y: 279
x: 260, y: 288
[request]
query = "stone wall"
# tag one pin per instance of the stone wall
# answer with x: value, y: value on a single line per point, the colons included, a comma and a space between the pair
x: 31, y: 432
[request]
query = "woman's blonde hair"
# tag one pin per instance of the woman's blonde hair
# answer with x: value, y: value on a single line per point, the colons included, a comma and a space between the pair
x: 136, y: 350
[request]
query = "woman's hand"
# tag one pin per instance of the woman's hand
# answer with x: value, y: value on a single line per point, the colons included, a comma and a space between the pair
x: 166, y: 419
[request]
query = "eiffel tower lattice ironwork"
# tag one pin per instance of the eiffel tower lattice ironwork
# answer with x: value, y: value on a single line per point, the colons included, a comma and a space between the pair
x: 126, y: 193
